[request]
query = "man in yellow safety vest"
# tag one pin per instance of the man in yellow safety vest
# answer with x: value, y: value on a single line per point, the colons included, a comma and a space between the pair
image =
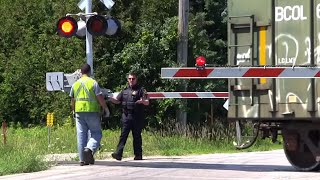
x: 86, y: 99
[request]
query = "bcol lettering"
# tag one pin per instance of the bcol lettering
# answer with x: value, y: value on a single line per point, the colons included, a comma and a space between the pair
x: 318, y: 11
x: 288, y: 13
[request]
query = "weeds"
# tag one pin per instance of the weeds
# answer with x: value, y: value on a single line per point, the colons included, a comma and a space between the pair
x: 25, y: 148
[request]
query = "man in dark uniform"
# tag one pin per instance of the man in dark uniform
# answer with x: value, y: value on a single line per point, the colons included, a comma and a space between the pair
x: 133, y: 100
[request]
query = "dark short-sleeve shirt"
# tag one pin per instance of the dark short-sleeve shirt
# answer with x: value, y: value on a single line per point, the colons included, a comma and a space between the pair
x: 138, y: 92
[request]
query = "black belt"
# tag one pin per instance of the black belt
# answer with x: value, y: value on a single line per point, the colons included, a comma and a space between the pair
x: 128, y: 111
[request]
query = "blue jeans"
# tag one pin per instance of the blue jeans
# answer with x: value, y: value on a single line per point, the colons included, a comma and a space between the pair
x: 89, y: 131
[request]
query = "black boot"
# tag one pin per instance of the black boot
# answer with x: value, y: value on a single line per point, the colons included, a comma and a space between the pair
x: 83, y: 164
x: 137, y: 157
x: 88, y: 156
x: 116, y: 156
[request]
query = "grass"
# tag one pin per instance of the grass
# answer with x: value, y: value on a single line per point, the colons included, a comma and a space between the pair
x: 25, y: 148
x: 19, y: 161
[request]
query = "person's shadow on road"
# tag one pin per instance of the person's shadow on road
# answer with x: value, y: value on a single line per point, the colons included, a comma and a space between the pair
x: 165, y: 163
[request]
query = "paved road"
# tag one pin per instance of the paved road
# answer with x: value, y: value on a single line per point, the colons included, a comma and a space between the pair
x: 253, y: 165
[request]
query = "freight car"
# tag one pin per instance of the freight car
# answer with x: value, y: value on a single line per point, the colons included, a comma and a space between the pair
x: 277, y: 33
x: 273, y: 75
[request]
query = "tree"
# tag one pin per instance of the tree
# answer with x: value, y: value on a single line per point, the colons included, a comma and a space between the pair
x: 30, y: 47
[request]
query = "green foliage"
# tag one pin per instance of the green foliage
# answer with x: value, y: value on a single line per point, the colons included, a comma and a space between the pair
x: 30, y: 47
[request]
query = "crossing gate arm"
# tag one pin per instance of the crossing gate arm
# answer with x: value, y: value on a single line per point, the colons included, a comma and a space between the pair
x: 187, y: 95
x: 240, y: 72
x: 59, y: 81
x: 184, y: 95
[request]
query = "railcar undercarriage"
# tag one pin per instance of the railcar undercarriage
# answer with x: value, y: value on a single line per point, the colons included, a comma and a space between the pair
x: 301, y: 140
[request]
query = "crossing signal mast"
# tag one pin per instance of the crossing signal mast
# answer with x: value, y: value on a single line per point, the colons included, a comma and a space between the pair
x: 90, y: 24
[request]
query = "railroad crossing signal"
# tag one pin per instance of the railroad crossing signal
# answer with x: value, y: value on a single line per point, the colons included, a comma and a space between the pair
x: 67, y: 27
x: 97, y: 25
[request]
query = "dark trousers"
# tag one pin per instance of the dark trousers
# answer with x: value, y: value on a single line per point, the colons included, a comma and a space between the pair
x: 130, y: 123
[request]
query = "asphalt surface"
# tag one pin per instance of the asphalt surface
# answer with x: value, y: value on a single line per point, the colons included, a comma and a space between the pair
x: 252, y: 165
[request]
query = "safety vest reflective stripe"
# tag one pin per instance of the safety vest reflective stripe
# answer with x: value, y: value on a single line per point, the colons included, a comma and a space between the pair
x: 82, y: 86
x: 85, y: 100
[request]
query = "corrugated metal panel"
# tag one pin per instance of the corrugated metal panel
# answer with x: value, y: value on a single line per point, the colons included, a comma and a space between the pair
x: 283, y: 33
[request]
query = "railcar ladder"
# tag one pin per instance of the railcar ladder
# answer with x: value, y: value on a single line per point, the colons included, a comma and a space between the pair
x: 236, y: 24
x: 242, y: 22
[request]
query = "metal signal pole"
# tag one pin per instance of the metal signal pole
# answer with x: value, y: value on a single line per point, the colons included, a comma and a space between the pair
x: 89, y: 53
x: 183, y: 51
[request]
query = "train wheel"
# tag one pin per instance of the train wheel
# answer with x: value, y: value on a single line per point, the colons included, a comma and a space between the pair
x: 297, y: 149
x: 246, y: 135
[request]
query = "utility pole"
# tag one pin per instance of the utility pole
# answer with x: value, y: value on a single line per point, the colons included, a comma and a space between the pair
x: 183, y: 52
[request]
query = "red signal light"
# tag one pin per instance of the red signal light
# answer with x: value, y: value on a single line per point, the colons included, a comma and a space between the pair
x: 97, y: 25
x: 67, y: 27
x: 200, y: 61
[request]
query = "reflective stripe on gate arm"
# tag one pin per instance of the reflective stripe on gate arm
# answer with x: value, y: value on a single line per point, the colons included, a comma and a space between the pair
x: 185, y: 95
x: 241, y: 72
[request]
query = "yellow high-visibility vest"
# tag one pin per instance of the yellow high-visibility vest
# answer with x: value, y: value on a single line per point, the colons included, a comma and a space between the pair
x: 84, y: 96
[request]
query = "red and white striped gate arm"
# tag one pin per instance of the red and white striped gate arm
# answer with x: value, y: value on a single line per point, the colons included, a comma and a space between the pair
x: 240, y: 72
x: 185, y: 95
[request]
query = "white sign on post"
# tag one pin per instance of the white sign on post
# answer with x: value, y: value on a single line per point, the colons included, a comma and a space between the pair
x: 107, y: 3
x: 82, y: 4
x: 54, y: 81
